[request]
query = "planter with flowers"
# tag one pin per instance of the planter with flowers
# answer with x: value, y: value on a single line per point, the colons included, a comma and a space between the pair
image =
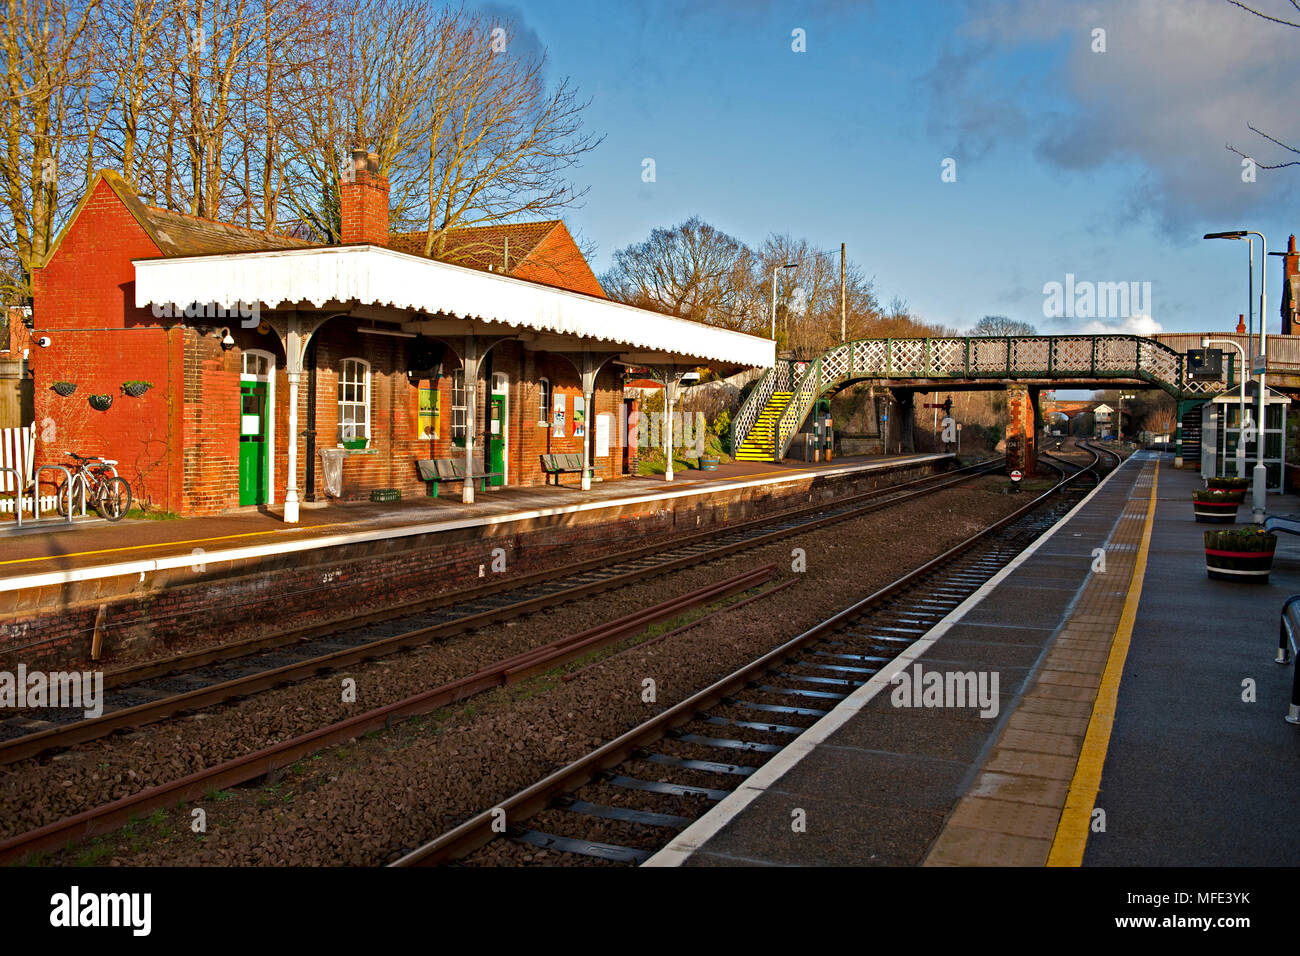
x: 1240, y: 485
x: 64, y: 388
x: 136, y: 389
x: 1216, y: 506
x: 101, y: 403
x: 1242, y: 554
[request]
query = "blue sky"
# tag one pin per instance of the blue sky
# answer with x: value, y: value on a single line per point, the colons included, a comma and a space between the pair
x: 1106, y: 165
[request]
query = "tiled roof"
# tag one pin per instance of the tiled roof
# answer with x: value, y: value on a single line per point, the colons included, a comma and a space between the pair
x: 480, y: 247
x: 179, y: 234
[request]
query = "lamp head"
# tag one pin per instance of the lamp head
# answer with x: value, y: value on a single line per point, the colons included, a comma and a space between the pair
x: 1232, y: 234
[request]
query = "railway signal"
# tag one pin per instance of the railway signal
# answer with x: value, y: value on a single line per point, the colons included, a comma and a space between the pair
x: 1015, y: 479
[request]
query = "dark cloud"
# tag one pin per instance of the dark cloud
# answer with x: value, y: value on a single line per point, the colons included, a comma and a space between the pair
x: 1176, y: 83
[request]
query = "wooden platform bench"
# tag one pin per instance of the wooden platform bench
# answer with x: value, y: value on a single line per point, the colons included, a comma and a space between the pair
x: 561, y: 464
x: 434, y: 471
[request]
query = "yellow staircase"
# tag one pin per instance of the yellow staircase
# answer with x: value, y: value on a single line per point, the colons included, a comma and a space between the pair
x: 760, y: 443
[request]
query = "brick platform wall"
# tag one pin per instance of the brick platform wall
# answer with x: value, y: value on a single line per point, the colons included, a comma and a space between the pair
x: 54, y: 625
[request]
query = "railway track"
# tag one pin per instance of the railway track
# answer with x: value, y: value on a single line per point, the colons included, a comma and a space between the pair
x: 154, y: 691
x: 651, y: 782
x: 269, y: 760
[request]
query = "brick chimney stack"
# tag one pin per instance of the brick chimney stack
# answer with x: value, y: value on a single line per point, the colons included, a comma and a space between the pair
x: 1241, y: 323
x: 363, y: 198
x: 1290, y: 289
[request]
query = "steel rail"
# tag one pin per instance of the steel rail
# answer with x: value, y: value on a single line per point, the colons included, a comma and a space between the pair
x: 138, y: 715
x: 478, y: 830
x: 239, y: 770
x: 288, y: 636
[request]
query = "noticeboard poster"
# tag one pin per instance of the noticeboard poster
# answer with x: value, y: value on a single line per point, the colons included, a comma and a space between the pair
x: 557, y: 416
x: 579, y: 417
x: 602, y: 435
x: 426, y: 419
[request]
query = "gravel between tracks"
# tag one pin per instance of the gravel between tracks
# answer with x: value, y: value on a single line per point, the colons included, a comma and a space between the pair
x: 369, y: 800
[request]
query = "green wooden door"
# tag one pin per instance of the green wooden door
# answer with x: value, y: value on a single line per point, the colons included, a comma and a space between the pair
x: 253, y: 429
x: 497, y: 440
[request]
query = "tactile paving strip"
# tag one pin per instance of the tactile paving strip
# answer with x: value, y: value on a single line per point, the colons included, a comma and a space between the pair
x: 1012, y: 813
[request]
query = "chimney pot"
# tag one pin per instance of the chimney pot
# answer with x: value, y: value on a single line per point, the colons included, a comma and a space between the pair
x: 364, y: 201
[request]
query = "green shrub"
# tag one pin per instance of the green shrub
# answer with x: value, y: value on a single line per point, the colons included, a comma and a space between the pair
x: 1254, y: 538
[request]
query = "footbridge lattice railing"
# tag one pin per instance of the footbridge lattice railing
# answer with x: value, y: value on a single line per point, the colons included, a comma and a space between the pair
x: 1066, y: 357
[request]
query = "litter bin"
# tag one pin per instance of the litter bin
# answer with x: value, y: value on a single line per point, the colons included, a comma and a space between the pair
x: 331, y: 460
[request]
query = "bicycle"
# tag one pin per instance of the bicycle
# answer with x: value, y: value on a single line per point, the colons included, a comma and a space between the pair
x: 97, y: 481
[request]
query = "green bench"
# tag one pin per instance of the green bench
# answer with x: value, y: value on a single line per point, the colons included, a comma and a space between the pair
x: 561, y: 464
x: 434, y: 471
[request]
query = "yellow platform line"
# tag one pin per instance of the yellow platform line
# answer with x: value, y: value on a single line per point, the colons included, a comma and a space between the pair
x: 310, y: 529
x: 173, y: 544
x: 1076, y: 818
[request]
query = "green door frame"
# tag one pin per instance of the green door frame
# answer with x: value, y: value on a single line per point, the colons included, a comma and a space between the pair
x: 253, y: 445
x: 497, y: 439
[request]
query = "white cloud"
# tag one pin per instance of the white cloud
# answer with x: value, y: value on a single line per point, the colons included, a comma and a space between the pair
x: 1133, y: 325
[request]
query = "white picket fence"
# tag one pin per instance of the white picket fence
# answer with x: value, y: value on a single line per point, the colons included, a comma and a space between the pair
x: 18, y: 451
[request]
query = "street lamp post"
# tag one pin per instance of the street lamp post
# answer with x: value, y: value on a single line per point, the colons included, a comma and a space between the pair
x: 1241, y: 402
x: 775, y: 270
x: 1258, y: 503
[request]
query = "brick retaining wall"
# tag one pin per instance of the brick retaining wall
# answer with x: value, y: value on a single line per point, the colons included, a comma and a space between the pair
x: 54, y: 624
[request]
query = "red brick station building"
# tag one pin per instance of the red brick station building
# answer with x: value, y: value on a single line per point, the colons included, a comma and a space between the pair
x: 259, y: 348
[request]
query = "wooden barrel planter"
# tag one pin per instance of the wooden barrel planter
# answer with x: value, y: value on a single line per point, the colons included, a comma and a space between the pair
x: 1243, y: 555
x: 1228, y: 484
x: 709, y: 462
x: 1217, y: 507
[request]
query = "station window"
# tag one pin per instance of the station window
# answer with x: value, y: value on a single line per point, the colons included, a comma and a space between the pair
x: 544, y: 402
x: 354, y: 399
x: 458, y: 405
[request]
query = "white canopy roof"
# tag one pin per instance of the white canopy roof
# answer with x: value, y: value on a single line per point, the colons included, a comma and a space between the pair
x: 375, y: 276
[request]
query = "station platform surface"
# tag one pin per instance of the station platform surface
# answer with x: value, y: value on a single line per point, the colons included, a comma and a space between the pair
x: 30, y: 556
x: 1122, y: 736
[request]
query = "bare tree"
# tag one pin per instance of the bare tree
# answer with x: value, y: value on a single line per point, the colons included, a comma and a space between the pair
x: 692, y: 270
x: 45, y: 64
x: 1162, y: 421
x: 1001, y: 325
x: 1271, y: 139
x: 499, y: 143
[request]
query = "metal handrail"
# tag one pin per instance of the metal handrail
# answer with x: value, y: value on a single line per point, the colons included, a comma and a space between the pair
x: 18, y: 492
x: 67, y: 483
x: 750, y: 409
x: 1286, y: 648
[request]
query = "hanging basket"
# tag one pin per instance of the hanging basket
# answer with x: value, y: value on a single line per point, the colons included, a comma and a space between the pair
x: 64, y: 388
x: 101, y: 403
x: 136, y: 389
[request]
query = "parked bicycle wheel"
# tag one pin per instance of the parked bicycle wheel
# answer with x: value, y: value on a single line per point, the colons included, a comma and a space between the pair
x: 61, y: 498
x: 114, y: 498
